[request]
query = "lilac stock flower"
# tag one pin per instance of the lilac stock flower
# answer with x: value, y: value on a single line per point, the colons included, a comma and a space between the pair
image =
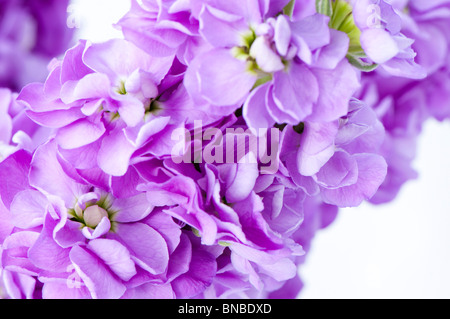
x: 426, y: 24
x: 307, y: 84
x: 281, y: 59
x: 376, y: 38
x: 101, y: 102
x: 225, y: 211
x: 317, y: 216
x: 31, y: 33
x: 6, y: 125
x: 17, y: 131
x: 161, y: 28
x: 339, y: 160
x: 383, y: 41
x: 80, y: 241
x: 403, y: 105
x: 170, y: 27
x: 100, y: 200
x: 233, y: 50
x: 402, y: 109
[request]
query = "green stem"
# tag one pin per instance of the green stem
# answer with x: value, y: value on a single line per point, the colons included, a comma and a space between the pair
x: 361, y: 65
x: 324, y: 7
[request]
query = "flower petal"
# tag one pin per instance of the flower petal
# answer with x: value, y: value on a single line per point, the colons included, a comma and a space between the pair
x: 147, y: 246
x: 115, y: 255
x: 115, y: 154
x: 79, y: 133
x: 96, y: 276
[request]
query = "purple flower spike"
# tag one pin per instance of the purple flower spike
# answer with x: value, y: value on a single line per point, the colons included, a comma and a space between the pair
x: 199, y: 156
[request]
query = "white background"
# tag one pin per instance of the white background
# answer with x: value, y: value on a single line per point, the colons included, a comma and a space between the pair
x: 398, y: 250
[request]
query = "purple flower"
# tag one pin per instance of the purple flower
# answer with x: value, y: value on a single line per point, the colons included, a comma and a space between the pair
x: 140, y: 167
x: 340, y: 160
x: 306, y: 88
x: 283, y: 71
x: 80, y: 241
x: 17, y: 131
x: 224, y: 211
x: 102, y: 98
x: 31, y: 34
x: 318, y: 216
x: 176, y: 26
x: 425, y: 23
x: 376, y: 38
x: 403, y: 105
x: 286, y: 55
x: 161, y: 28
x: 402, y: 108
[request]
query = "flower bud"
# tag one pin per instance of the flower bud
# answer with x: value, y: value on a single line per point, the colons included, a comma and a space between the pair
x: 93, y: 216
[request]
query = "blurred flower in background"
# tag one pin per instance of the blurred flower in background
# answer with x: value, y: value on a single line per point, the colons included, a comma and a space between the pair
x: 32, y: 32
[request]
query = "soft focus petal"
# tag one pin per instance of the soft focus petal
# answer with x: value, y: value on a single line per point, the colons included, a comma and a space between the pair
x: 379, y: 45
x: 53, y: 181
x: 97, y: 278
x: 116, y: 256
x: 28, y: 209
x: 295, y: 91
x: 200, y: 275
x: 79, y: 133
x: 225, y: 87
x: 255, y: 109
x: 371, y: 173
x: 317, y: 147
x: 14, y: 176
x: 147, y: 246
x: 115, y: 154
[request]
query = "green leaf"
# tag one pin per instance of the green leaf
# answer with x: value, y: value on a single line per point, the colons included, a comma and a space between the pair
x: 324, y: 7
x: 262, y: 80
x: 361, y: 65
x: 289, y: 8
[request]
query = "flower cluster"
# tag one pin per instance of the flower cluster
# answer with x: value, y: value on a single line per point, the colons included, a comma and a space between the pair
x: 197, y: 156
